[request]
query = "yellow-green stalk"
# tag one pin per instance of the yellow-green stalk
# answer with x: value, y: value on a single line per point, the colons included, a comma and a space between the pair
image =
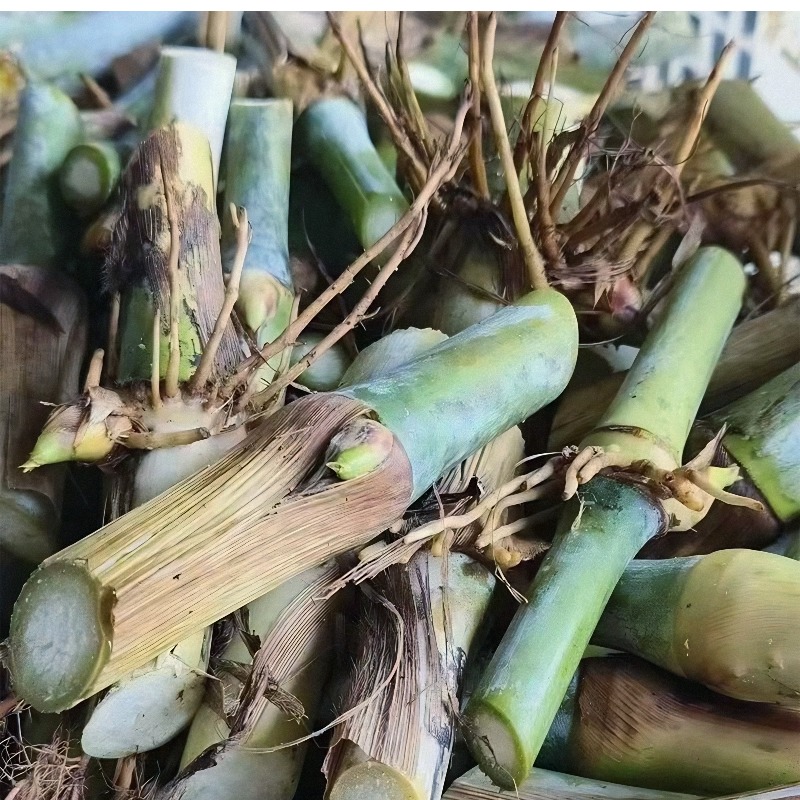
x: 626, y: 721
x: 642, y: 433
x: 252, y: 514
x: 725, y: 619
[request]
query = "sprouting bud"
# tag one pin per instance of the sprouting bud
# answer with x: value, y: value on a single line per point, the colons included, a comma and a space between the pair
x: 86, y: 430
x: 358, y: 449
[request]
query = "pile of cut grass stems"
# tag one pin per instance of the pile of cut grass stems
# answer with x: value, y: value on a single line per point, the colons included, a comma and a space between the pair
x: 401, y: 471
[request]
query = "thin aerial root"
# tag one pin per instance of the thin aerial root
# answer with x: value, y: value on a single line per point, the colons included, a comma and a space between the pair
x: 203, y: 371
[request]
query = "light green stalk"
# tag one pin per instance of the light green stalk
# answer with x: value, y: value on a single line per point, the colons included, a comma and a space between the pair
x: 333, y: 134
x: 746, y: 129
x: 88, y: 176
x: 725, y: 620
x: 258, y: 155
x: 656, y: 404
x: 654, y: 730
x: 327, y: 371
x: 525, y: 351
x: 88, y: 43
x: 188, y: 79
x: 763, y: 435
x: 508, y: 716
x: 35, y: 226
x: 508, y: 366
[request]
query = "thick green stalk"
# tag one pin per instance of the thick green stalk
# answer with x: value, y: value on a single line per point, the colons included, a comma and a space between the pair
x: 763, y: 435
x: 543, y: 784
x: 726, y: 620
x: 624, y: 720
x: 258, y: 155
x: 421, y: 409
x: 35, y: 227
x: 88, y: 176
x: 194, y: 86
x: 333, y: 134
x: 508, y: 716
x: 327, y: 372
x: 88, y: 43
x: 509, y: 366
x: 745, y: 128
x: 653, y: 410
x: 757, y: 350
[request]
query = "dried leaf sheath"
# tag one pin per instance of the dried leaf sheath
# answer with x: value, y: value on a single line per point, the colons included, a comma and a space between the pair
x: 418, y: 621
x: 214, y: 543
x: 137, y: 266
x: 40, y: 361
x: 275, y: 705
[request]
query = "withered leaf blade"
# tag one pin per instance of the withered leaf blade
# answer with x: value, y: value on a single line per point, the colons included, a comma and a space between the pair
x: 22, y: 301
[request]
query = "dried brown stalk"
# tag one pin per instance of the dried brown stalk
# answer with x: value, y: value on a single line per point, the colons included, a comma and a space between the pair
x: 589, y: 126
x: 418, y: 172
x: 477, y: 165
x: 543, y: 70
x: 532, y: 258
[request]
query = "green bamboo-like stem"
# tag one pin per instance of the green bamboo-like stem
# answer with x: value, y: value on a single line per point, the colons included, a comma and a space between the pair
x: 624, y: 720
x: 333, y: 134
x: 258, y: 154
x: 510, y: 366
x: 257, y: 169
x: 327, y: 372
x: 725, y: 620
x: 756, y: 351
x: 35, y: 226
x: 89, y: 175
x: 508, y: 716
x: 422, y: 421
x: 763, y: 435
x: 188, y: 79
x: 702, y: 307
x: 544, y: 784
x: 88, y: 43
x: 747, y: 130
